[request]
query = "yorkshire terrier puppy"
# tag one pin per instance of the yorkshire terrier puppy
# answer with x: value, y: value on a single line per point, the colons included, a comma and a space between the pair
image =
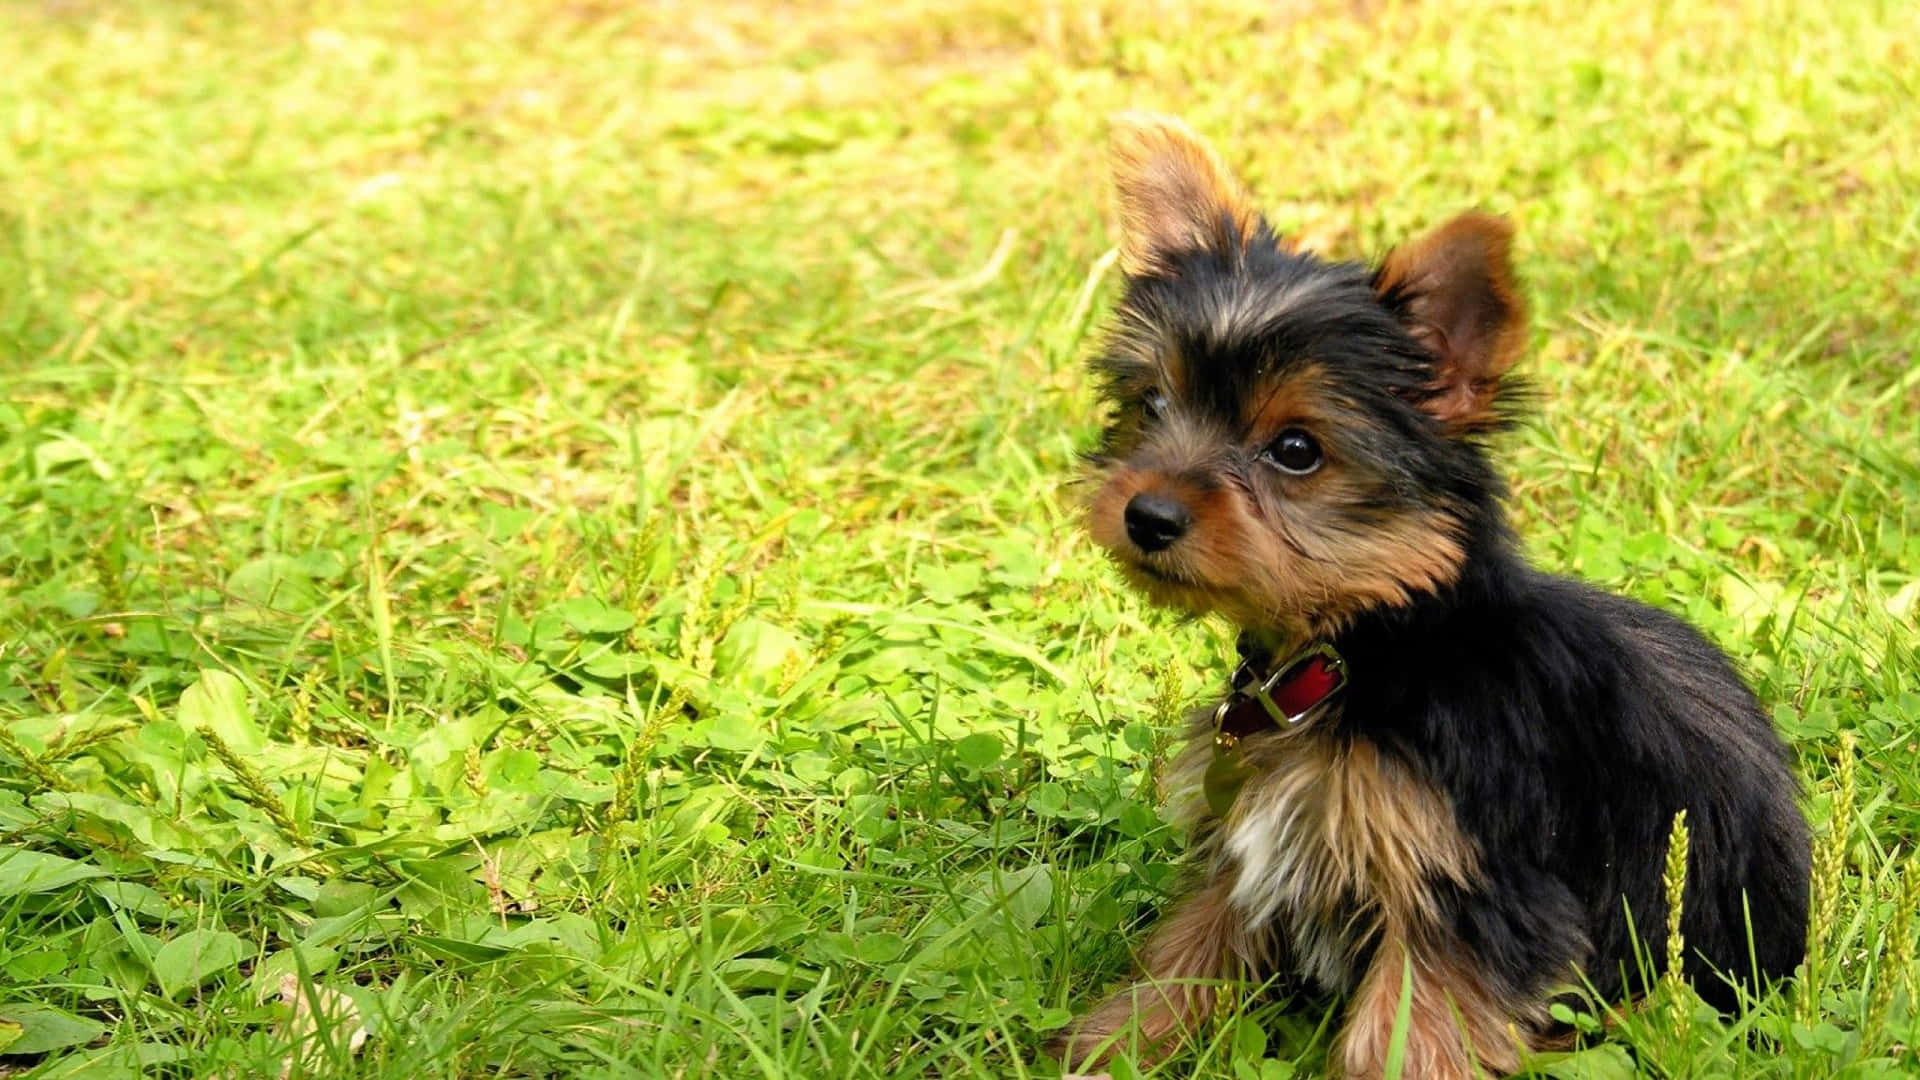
x: 1436, y: 764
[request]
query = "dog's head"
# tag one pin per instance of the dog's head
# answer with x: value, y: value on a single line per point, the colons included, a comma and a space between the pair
x: 1291, y: 440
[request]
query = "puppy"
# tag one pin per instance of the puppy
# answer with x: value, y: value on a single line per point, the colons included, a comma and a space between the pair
x: 1437, y: 768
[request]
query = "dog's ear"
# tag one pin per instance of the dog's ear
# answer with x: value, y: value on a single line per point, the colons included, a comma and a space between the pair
x: 1175, y: 195
x: 1454, y: 289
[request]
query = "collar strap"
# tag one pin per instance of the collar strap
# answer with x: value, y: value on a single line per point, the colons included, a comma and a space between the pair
x: 1263, y: 701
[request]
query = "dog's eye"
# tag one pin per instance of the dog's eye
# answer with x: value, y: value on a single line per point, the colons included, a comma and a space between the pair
x: 1153, y: 405
x: 1293, y: 452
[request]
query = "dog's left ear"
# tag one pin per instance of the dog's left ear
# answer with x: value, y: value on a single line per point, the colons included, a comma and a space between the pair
x: 1176, y: 196
x: 1454, y: 289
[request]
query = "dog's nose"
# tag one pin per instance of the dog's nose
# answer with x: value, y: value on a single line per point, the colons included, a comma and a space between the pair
x: 1155, y: 521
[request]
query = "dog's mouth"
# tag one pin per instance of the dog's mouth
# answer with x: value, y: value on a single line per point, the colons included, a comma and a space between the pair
x: 1179, y: 589
x: 1163, y: 575
x: 1170, y: 586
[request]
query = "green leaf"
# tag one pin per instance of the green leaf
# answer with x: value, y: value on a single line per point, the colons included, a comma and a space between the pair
x: 1051, y: 1019
x: 978, y: 750
x: 139, y: 899
x: 1019, y: 561
x: 1047, y: 799
x: 1902, y: 604
x: 29, y: 964
x: 275, y: 582
x: 341, y: 897
x: 1026, y: 892
x: 446, y: 948
x: 1753, y: 602
x: 192, y: 958
x: 756, y: 652
x: 43, y: 1028
x: 731, y: 731
x: 23, y: 871
x: 296, y: 960
x: 111, y: 1063
x: 63, y: 450
x: 592, y: 615
x: 1823, y: 1036
x: 1605, y: 1062
x: 949, y: 583
x: 150, y: 829
x: 756, y: 973
x: 610, y: 664
x: 879, y: 948
x: 217, y: 702
x: 1249, y: 1039
x: 513, y: 768
x: 1138, y: 819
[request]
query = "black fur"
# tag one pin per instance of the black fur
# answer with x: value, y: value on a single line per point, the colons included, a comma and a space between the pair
x: 1568, y: 726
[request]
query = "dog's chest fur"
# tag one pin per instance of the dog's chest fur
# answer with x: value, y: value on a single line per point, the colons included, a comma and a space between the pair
x: 1331, y: 843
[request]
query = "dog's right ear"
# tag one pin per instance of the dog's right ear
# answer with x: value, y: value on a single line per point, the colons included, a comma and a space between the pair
x: 1175, y: 195
x: 1454, y: 289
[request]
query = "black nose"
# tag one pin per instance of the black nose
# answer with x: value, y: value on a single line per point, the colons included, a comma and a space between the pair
x: 1155, y: 521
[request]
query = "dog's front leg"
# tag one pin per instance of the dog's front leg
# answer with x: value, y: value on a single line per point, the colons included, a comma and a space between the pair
x: 1457, y: 1027
x: 1200, y: 944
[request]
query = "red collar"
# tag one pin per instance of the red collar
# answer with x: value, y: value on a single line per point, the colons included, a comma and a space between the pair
x: 1281, y: 699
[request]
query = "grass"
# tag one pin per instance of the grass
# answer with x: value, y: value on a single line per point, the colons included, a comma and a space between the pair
x: 540, y: 532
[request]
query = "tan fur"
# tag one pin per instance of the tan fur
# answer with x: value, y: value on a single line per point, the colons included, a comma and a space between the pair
x: 1202, y: 572
x: 1338, y: 842
x: 1198, y: 944
x: 1467, y: 308
x: 1337, y: 573
x: 1386, y: 832
x: 1334, y: 845
x: 1457, y: 1028
x: 1294, y: 568
x: 1175, y: 195
x: 1295, y: 401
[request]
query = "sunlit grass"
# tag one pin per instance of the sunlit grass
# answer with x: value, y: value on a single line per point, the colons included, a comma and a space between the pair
x: 549, y: 522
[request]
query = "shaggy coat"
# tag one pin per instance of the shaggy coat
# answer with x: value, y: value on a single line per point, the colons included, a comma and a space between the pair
x: 1483, y: 810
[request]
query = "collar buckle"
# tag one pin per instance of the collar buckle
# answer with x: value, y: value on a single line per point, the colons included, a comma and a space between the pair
x: 1330, y: 659
x: 1294, y: 691
x: 1300, y: 685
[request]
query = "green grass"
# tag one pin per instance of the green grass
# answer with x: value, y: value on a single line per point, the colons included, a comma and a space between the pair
x: 549, y: 524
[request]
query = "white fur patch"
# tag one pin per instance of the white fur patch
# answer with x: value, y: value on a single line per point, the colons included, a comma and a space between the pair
x: 1329, y: 840
x: 1284, y: 858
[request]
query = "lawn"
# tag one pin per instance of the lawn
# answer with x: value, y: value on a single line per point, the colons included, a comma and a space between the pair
x: 539, y: 539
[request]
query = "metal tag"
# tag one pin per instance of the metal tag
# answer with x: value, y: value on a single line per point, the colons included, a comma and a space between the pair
x: 1226, y: 774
